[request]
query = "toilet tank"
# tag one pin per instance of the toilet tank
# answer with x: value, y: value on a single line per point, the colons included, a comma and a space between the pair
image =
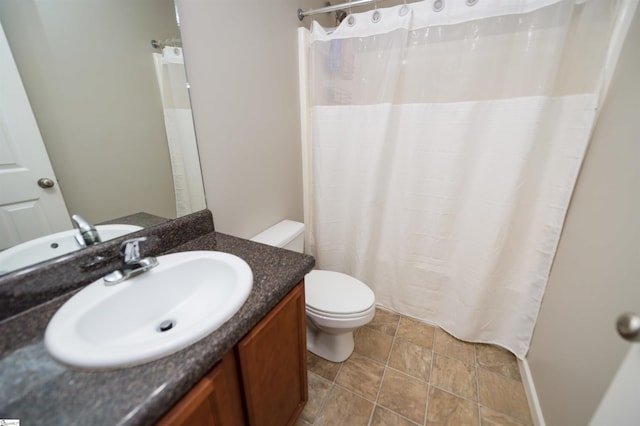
x: 287, y: 234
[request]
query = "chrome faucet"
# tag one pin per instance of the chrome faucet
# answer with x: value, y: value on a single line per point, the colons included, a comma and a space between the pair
x: 88, y: 234
x: 134, y: 263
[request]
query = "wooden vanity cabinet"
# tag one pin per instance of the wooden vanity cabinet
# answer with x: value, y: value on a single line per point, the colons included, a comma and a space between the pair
x: 261, y: 382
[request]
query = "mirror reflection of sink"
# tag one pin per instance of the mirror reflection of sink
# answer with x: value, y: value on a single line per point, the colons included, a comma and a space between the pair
x: 54, y: 245
x: 182, y: 300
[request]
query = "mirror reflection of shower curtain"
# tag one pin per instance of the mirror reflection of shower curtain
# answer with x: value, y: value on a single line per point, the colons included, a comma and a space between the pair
x: 443, y: 148
x: 185, y: 164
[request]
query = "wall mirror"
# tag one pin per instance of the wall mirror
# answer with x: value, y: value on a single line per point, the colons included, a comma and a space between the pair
x: 112, y: 112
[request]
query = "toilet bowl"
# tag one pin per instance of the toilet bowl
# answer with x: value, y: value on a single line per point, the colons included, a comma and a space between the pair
x: 336, y: 303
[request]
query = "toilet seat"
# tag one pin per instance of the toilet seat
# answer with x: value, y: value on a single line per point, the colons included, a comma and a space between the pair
x: 355, y: 315
x: 337, y: 295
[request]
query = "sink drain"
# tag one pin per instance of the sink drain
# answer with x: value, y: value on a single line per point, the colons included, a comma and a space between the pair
x: 166, y: 325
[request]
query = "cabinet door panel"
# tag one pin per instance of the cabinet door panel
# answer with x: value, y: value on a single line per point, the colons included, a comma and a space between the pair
x: 215, y: 401
x: 194, y: 408
x: 273, y: 364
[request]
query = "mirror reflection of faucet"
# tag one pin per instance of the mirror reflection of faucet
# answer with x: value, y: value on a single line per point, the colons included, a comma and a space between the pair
x: 88, y: 233
x: 134, y: 263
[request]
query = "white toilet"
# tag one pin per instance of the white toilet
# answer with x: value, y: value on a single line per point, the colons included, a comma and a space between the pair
x: 336, y: 303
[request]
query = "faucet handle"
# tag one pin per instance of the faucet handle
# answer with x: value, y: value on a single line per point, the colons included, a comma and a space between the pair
x: 131, y: 249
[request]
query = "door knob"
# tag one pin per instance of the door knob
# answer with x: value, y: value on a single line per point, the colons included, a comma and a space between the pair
x: 628, y: 325
x: 46, y: 183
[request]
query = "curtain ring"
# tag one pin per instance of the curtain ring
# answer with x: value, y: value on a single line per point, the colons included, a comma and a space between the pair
x: 348, y: 15
x: 404, y: 9
x: 471, y: 2
x: 340, y: 15
x: 438, y: 5
x: 375, y: 18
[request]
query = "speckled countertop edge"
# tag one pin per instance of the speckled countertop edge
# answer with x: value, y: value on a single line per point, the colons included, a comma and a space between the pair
x: 47, y: 391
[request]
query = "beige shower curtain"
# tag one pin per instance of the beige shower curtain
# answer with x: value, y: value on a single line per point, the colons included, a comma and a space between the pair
x: 442, y: 148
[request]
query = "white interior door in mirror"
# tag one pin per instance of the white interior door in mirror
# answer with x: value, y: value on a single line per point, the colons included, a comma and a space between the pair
x: 619, y: 406
x: 27, y: 211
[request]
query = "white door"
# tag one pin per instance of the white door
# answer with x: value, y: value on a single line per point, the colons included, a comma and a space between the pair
x: 619, y: 406
x: 28, y: 208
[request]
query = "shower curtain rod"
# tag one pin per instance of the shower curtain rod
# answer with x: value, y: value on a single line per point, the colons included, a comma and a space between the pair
x: 334, y: 7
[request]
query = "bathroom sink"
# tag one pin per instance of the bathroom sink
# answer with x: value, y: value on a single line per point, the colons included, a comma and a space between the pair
x: 54, y: 245
x: 182, y: 300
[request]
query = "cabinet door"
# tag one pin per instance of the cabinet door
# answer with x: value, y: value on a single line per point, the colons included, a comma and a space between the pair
x: 215, y: 401
x: 273, y: 364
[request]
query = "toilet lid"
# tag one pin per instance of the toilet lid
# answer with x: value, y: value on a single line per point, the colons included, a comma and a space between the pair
x: 336, y: 293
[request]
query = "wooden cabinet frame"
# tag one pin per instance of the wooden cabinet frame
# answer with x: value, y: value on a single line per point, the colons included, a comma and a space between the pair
x: 273, y: 363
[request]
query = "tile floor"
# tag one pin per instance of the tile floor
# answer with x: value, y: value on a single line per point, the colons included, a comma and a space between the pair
x: 406, y: 373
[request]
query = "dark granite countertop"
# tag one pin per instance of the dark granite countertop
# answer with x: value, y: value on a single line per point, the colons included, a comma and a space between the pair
x: 38, y: 390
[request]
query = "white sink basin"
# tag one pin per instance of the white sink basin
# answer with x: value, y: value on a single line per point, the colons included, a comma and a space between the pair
x: 54, y: 245
x: 115, y: 326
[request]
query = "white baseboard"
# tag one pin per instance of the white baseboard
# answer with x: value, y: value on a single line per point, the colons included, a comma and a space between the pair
x: 532, y: 395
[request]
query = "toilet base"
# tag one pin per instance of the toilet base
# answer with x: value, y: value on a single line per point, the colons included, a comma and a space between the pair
x: 332, y: 347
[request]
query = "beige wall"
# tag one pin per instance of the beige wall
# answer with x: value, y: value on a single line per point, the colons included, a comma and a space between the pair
x: 241, y: 60
x: 575, y: 350
x: 88, y: 72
